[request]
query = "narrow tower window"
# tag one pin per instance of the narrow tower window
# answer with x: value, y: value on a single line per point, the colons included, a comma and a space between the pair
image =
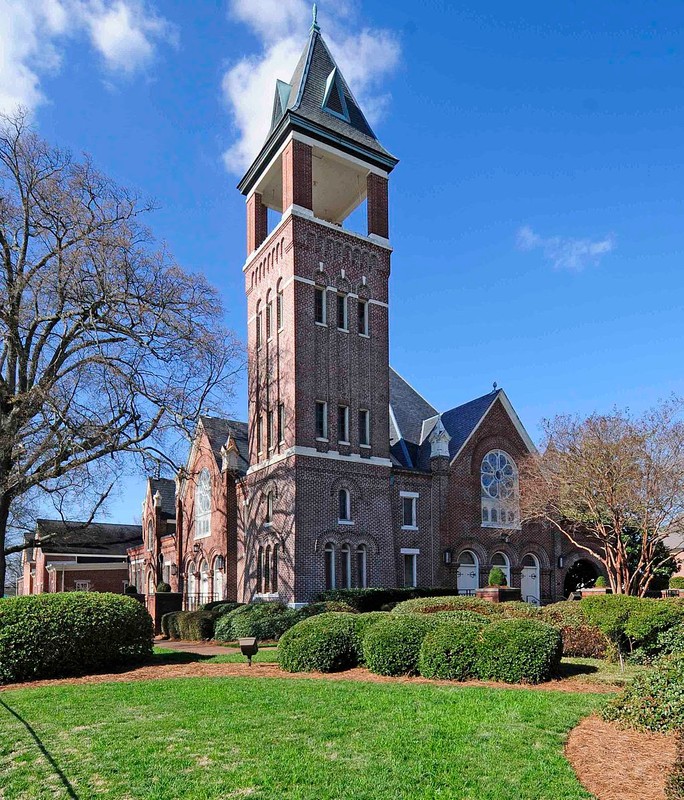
x: 342, y: 312
x: 363, y: 317
x: 343, y: 424
x: 319, y: 306
x: 364, y: 427
x: 321, y: 420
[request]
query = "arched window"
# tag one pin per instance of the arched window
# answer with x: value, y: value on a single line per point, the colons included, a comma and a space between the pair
x: 267, y: 569
x: 361, y: 566
x: 269, y: 316
x: 219, y: 565
x: 499, y: 491
x: 257, y: 326
x: 150, y: 535
x: 345, y: 563
x: 260, y: 571
x: 530, y: 582
x: 269, y: 508
x: 468, y: 573
x: 330, y: 566
x: 501, y: 561
x: 279, y: 306
x: 274, y: 570
x: 344, y: 505
x: 150, y: 582
x: 203, y: 505
x: 191, y: 599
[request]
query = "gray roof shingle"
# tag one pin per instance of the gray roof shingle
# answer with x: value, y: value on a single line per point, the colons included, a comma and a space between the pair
x: 409, y: 409
x: 167, y: 491
x: 218, y: 430
x: 91, y: 538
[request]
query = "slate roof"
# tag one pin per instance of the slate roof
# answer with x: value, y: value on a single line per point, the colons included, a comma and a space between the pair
x: 218, y: 430
x: 307, y: 104
x: 167, y: 490
x: 91, y: 538
x: 461, y: 421
x: 409, y: 410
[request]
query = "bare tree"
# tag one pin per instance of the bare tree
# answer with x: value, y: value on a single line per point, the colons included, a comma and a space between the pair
x: 614, y: 486
x: 109, y: 348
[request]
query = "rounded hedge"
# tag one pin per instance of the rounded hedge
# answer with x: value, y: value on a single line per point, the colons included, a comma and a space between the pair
x: 54, y: 635
x: 324, y: 607
x: 322, y: 643
x: 519, y: 651
x: 473, y: 617
x: 451, y: 651
x: 581, y: 639
x: 263, y: 620
x: 677, y: 582
x: 392, y: 646
x: 362, y: 623
x: 429, y: 605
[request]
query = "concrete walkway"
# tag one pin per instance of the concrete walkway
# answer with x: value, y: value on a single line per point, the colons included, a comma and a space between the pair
x: 199, y: 648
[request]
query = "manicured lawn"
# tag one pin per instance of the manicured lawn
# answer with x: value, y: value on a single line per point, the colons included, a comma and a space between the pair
x: 162, y: 656
x: 294, y: 739
x: 594, y: 670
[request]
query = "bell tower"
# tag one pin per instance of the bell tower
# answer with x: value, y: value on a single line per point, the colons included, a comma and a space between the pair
x: 318, y: 347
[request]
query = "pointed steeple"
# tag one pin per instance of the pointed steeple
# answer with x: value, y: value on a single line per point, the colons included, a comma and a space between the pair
x: 318, y: 102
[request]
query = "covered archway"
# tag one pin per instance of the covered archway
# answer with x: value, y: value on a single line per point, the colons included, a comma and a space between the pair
x: 581, y: 575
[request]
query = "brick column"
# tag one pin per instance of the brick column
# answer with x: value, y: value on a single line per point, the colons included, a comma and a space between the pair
x: 378, y: 223
x: 257, y: 222
x: 297, y: 178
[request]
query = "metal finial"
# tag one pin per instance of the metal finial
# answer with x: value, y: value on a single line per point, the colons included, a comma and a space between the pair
x: 314, y: 20
x: 496, y: 385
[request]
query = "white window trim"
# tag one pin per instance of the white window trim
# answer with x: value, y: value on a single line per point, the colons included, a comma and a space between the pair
x: 324, y: 292
x: 367, y: 426
x: 323, y: 403
x: 349, y: 520
x: 345, y: 298
x: 345, y: 415
x: 414, y: 552
x: 366, y: 327
x: 410, y: 496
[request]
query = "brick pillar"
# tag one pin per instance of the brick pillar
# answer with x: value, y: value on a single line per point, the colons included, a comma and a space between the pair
x: 257, y: 222
x: 378, y: 223
x: 297, y: 178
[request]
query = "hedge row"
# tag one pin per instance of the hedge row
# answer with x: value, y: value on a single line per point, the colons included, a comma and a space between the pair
x: 377, y: 599
x: 436, y: 645
x: 55, y: 635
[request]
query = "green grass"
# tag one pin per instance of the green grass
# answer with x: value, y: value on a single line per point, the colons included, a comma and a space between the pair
x: 594, y: 670
x: 277, y: 738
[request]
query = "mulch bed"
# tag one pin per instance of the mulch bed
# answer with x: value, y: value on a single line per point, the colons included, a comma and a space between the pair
x: 198, y: 669
x: 616, y: 764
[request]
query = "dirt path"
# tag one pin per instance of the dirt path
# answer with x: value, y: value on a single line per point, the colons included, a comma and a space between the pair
x: 616, y: 764
x: 200, y: 669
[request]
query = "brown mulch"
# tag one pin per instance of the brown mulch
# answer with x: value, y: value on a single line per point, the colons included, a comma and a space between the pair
x: 199, y: 669
x: 616, y: 764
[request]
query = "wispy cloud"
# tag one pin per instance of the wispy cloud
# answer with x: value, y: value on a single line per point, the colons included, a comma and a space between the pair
x: 124, y: 33
x: 365, y: 56
x: 566, y: 252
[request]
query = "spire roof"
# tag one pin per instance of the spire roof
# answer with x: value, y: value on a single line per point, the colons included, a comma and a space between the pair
x: 318, y: 102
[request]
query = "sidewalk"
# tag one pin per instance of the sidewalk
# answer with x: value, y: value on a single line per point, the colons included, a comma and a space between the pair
x: 199, y: 648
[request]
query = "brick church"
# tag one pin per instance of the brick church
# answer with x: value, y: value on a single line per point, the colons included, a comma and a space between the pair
x: 344, y: 475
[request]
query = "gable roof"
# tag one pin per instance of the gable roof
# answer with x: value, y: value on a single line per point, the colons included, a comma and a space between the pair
x: 218, y: 430
x: 461, y: 422
x: 92, y: 538
x: 167, y: 491
x: 408, y: 409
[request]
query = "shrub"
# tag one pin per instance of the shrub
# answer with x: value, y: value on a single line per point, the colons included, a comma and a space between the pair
x: 169, y: 625
x: 519, y: 609
x: 601, y: 582
x: 362, y: 623
x: 497, y: 577
x: 450, y: 651
x: 195, y: 626
x: 671, y: 641
x: 392, y: 646
x: 324, y: 607
x: 677, y: 582
x: 519, y: 651
x: 374, y: 599
x: 52, y: 635
x: 654, y: 701
x: 645, y: 624
x: 220, y: 605
x: 263, y: 620
x: 449, y: 603
x: 471, y: 617
x: 322, y: 643
x: 162, y: 588
x: 580, y: 638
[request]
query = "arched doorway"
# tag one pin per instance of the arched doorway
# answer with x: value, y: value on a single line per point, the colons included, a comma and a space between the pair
x: 581, y: 575
x: 204, y: 583
x: 468, y: 574
x: 530, y: 590
x: 501, y: 561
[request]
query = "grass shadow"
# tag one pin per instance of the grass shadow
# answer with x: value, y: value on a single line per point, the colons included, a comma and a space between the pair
x: 178, y: 657
x: 570, y: 670
x: 55, y: 766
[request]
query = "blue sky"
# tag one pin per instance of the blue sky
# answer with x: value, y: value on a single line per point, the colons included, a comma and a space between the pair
x: 536, y: 212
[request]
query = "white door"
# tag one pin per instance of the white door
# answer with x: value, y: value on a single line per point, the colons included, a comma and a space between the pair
x: 467, y: 576
x: 529, y: 580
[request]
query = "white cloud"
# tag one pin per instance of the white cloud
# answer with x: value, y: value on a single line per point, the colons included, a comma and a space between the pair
x: 125, y: 33
x: 566, y: 252
x: 365, y: 56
